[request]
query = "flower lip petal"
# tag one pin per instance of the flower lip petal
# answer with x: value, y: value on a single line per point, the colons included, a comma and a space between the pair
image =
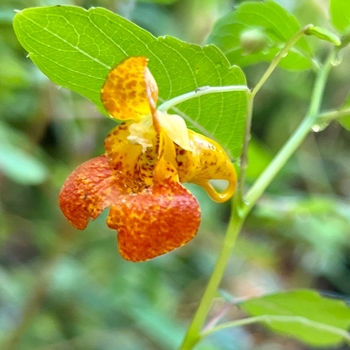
x: 155, y: 221
x: 88, y: 191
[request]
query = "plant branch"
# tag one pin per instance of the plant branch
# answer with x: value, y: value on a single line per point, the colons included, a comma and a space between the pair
x: 292, y: 41
x: 250, y: 101
x: 241, y: 209
x: 247, y: 137
x: 333, y: 115
x: 204, y: 90
x: 295, y: 140
x: 193, y: 332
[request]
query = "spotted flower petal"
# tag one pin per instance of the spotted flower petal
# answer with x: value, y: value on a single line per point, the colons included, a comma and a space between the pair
x: 207, y: 161
x: 155, y: 221
x: 129, y: 90
x: 129, y: 159
x: 88, y: 191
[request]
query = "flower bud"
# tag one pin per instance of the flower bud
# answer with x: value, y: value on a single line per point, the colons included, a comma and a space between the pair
x: 253, y: 40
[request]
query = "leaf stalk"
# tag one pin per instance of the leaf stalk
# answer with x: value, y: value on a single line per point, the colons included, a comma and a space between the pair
x: 204, y: 90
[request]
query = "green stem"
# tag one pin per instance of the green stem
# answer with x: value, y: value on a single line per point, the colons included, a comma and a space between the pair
x: 204, y: 90
x: 250, y: 100
x: 242, y: 209
x: 294, y: 141
x: 292, y: 41
x: 193, y: 333
x: 247, y: 136
x: 277, y: 163
x: 333, y: 115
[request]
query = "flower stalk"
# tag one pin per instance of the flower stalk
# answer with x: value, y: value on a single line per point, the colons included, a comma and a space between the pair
x: 242, y: 205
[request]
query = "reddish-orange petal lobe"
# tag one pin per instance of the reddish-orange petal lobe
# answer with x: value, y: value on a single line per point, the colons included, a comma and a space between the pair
x: 129, y: 90
x: 88, y: 191
x: 155, y: 221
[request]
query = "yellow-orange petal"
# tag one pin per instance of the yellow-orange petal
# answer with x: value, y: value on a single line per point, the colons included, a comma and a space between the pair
x: 130, y: 91
x: 128, y: 158
x: 165, y: 167
x: 175, y: 127
x: 88, y: 191
x: 122, y: 155
x: 155, y: 221
x: 207, y: 161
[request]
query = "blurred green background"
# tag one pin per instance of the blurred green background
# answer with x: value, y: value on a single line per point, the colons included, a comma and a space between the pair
x: 65, y: 289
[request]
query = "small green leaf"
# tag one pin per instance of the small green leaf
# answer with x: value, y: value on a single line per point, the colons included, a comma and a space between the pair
x: 340, y: 14
x: 77, y: 48
x: 324, y: 34
x: 345, y: 121
x: 273, y: 22
x: 303, y: 314
x: 20, y: 166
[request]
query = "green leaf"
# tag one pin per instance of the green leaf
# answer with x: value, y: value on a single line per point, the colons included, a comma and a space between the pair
x: 161, y: 327
x: 324, y: 34
x: 76, y: 49
x: 21, y: 166
x: 303, y: 314
x: 340, y: 14
x: 345, y: 121
x: 259, y: 158
x: 18, y: 164
x: 276, y: 27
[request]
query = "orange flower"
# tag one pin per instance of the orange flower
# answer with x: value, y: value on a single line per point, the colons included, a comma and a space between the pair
x: 139, y: 177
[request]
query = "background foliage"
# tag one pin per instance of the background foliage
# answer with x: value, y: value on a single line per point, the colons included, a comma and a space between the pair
x: 64, y: 289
